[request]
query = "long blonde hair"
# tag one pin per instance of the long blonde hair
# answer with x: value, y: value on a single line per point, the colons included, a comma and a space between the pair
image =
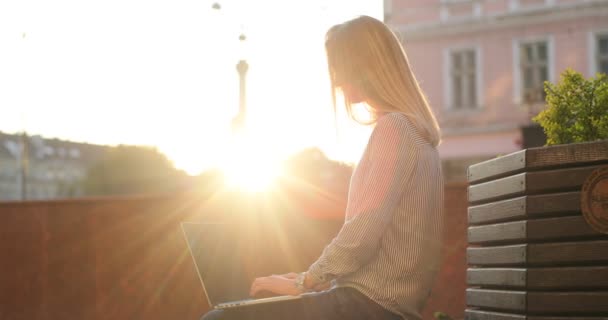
x: 365, y: 54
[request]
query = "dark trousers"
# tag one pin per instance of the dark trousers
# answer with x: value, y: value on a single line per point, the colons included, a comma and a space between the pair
x: 335, y: 304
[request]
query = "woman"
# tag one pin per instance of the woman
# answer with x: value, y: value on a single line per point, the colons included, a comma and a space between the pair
x: 383, y: 261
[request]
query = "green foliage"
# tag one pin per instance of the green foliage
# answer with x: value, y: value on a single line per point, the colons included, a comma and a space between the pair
x: 131, y: 170
x: 438, y: 315
x: 577, y: 109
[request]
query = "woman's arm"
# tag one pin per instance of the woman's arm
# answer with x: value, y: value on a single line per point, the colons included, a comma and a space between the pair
x: 373, y: 197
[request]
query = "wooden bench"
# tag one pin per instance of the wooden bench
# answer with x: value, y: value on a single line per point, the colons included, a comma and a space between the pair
x: 532, y: 254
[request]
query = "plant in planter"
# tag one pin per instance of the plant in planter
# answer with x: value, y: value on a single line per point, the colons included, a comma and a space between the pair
x: 557, y: 196
x: 577, y: 109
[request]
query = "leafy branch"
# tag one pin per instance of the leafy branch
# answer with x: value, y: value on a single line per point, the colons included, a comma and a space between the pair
x: 577, y: 109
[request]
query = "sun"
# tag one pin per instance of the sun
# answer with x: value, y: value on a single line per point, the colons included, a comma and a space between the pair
x: 248, y: 167
x: 252, y: 175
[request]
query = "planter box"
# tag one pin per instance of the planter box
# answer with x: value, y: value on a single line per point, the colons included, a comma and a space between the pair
x: 532, y: 254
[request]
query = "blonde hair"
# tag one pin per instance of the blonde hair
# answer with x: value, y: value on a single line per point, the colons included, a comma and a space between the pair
x: 366, y: 55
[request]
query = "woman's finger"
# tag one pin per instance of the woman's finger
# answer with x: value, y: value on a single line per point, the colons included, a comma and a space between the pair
x: 261, y: 284
x: 255, y: 286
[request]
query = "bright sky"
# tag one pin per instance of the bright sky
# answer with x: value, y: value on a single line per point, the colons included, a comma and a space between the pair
x: 162, y: 73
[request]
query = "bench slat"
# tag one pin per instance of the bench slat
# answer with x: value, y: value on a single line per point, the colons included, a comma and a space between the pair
x: 473, y: 314
x: 476, y: 314
x: 567, y: 318
x: 568, y: 302
x: 497, y: 299
x: 562, y: 228
x: 529, y: 183
x: 570, y: 252
x: 494, y: 168
x: 567, y: 278
x: 576, y: 302
x: 497, y: 277
x: 541, y: 254
x: 525, y: 207
x: 496, y: 256
x: 537, y: 158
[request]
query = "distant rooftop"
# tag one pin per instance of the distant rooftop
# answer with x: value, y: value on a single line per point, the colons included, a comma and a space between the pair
x: 45, y: 148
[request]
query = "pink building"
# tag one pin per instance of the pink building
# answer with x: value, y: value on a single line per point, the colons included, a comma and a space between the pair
x: 482, y: 64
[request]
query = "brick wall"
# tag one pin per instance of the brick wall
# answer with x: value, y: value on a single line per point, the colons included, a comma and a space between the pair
x: 448, y: 294
x: 125, y: 258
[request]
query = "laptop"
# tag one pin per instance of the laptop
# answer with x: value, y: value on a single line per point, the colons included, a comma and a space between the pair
x: 218, y: 254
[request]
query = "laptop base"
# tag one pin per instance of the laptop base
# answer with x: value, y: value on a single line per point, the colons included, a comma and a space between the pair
x: 248, y: 302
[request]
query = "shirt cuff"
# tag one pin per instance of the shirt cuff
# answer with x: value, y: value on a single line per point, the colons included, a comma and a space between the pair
x: 315, y: 272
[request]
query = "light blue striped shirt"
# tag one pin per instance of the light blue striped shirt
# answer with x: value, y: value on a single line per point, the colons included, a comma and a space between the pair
x: 389, y: 247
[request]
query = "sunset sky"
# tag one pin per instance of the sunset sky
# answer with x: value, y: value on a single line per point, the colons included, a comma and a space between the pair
x: 162, y: 73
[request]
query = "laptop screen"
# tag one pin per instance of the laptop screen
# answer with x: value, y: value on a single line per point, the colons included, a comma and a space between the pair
x: 220, y: 255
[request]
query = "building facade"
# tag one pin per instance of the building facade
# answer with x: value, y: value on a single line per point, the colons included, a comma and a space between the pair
x: 482, y: 64
x: 53, y: 168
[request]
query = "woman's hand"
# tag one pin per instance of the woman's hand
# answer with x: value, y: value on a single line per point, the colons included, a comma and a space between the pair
x: 322, y: 286
x: 277, y: 284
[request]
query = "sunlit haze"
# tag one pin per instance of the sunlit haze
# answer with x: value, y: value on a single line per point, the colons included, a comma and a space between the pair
x: 249, y: 165
x: 162, y: 73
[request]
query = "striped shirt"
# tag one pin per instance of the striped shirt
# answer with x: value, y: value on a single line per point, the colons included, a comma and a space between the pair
x: 389, y: 246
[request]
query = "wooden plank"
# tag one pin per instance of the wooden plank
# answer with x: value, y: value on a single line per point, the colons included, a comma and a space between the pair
x: 567, y: 318
x: 567, y: 155
x: 563, y: 228
x: 501, y: 166
x: 568, y: 253
x: 498, y: 233
x: 529, y: 183
x: 570, y: 278
x: 505, y: 210
x: 525, y: 207
x: 497, y: 277
x: 473, y: 314
x: 508, y: 187
x: 476, y: 314
x: 569, y: 179
x: 565, y: 278
x: 551, y: 229
x: 532, y: 159
x: 581, y: 303
x: 540, y: 254
x: 497, y: 299
x: 497, y: 256
x: 553, y: 203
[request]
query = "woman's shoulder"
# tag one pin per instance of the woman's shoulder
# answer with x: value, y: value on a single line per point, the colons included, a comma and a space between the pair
x: 401, y: 123
x: 395, y: 119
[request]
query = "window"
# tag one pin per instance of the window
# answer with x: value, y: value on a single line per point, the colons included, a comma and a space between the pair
x: 459, y: 9
x: 519, y: 4
x: 463, y: 79
x: 534, y: 68
x: 601, y: 53
x: 388, y: 10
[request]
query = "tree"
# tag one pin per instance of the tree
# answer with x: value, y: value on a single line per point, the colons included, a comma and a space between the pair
x: 313, y: 167
x: 133, y: 169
